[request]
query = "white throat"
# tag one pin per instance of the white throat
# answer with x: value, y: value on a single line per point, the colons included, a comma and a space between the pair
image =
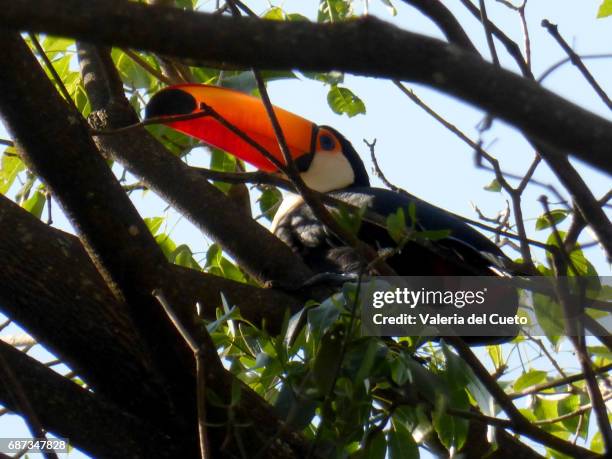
x: 327, y: 172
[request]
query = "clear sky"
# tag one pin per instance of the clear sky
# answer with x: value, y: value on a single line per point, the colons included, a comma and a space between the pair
x: 413, y: 150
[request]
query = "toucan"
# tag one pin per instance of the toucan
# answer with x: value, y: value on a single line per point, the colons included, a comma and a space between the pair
x: 327, y: 163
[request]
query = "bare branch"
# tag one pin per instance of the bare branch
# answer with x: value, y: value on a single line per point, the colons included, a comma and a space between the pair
x: 562, y: 62
x: 23, y: 403
x: 553, y: 30
x: 146, y: 66
x: 58, y: 81
x: 557, y: 382
x: 341, y: 46
x: 201, y: 347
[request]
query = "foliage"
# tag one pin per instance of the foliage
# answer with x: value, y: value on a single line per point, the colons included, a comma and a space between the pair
x: 605, y: 9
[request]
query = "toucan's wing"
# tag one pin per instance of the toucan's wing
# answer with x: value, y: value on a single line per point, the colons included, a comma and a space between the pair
x: 464, y: 252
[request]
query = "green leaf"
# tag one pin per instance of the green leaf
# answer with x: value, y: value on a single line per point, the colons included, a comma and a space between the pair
x: 275, y: 14
x: 412, y: 214
x: 375, y: 447
x: 400, y: 371
x: 494, y: 186
x: 186, y: 4
x: 131, y: 73
x: 364, y: 358
x: 550, y: 316
x: 401, y: 443
x: 55, y: 45
x: 332, y: 78
x: 35, y: 204
x: 269, y: 202
x: 334, y: 10
x: 460, y: 375
x: 342, y: 100
x: 223, y: 162
x: 597, y: 443
x: 349, y: 219
x: 297, y: 409
x: 154, y: 224
x: 166, y: 245
x: 528, y: 379
x: 327, y: 360
x: 605, y: 9
x: 556, y: 215
x: 390, y: 7
x: 451, y: 430
x: 396, y: 225
x: 432, y: 235
x: 213, y: 256
x: 10, y: 166
x: 496, y: 354
x: 183, y: 256
x: 322, y: 317
x: 568, y: 405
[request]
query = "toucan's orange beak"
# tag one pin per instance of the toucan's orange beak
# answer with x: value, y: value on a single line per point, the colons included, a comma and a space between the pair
x: 242, y: 111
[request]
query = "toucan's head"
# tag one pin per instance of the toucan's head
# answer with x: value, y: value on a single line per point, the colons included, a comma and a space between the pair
x: 326, y: 160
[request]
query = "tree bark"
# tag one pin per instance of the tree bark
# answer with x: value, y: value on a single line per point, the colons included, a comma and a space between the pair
x: 367, y: 46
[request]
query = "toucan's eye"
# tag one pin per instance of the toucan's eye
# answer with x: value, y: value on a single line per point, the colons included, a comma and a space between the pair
x: 327, y: 142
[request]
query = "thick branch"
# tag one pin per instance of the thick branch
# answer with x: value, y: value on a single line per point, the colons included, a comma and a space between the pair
x: 50, y: 287
x: 55, y: 141
x: 90, y: 422
x: 59, y: 284
x: 366, y: 46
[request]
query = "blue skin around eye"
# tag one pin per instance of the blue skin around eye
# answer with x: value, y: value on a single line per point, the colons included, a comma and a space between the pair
x: 327, y: 143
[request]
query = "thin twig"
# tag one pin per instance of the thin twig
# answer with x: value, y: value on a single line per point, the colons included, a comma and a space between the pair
x: 557, y: 382
x: 523, y: 17
x: 150, y: 121
x: 22, y: 401
x: 511, y: 47
x: 259, y: 177
x: 562, y: 62
x: 582, y: 409
x: 198, y: 353
x: 487, y: 27
x: 553, y: 30
x: 146, y: 66
x: 474, y: 145
x: 51, y: 68
x: 380, y: 173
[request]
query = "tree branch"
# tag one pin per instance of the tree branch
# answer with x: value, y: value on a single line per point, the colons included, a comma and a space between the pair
x: 48, y: 279
x: 354, y: 46
x: 56, y: 143
x: 63, y: 153
x: 520, y: 424
x: 553, y: 30
x: 87, y: 419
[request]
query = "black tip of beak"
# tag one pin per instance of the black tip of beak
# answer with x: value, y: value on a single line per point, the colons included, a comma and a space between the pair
x: 168, y: 102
